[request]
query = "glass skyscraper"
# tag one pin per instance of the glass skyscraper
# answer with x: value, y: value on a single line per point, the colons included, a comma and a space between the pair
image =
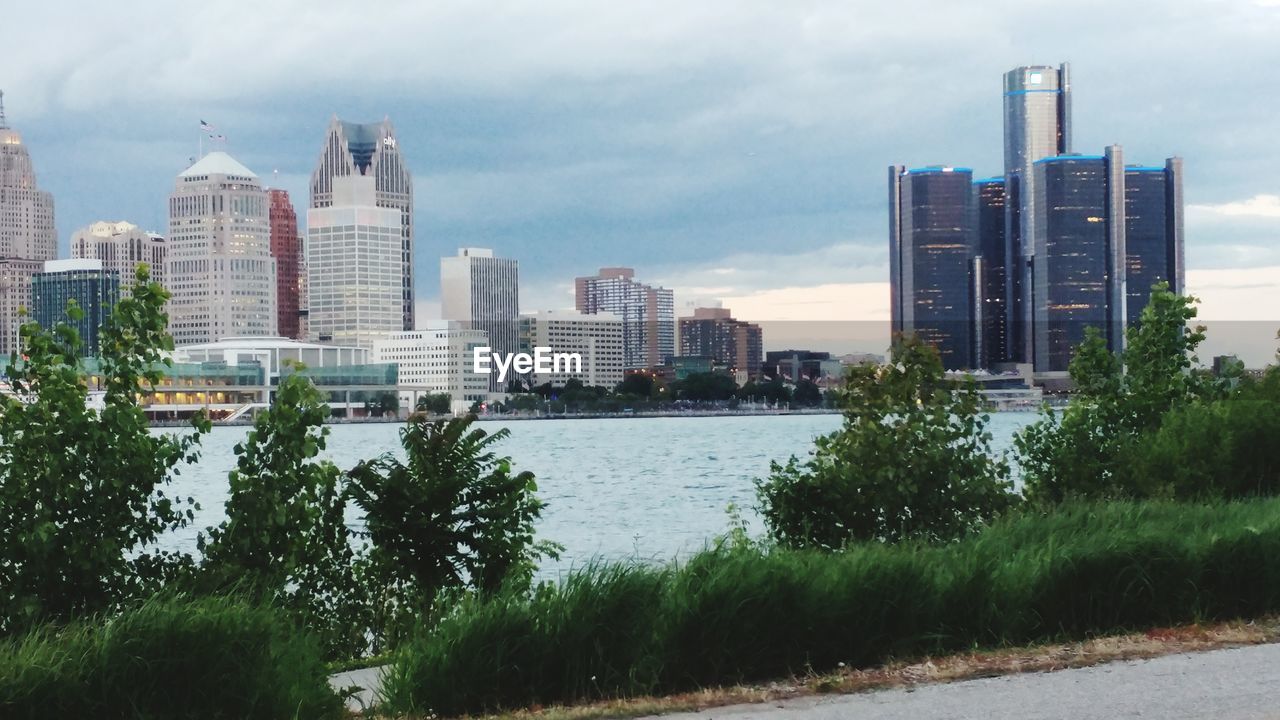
x: 989, y: 208
x: 1037, y: 124
x: 1153, y: 232
x: 94, y: 289
x: 1078, y: 243
x: 931, y: 257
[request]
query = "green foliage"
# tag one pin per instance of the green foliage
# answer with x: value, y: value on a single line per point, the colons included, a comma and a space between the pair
x: 455, y: 516
x: 1085, y: 450
x: 705, y: 387
x: 911, y: 460
x: 748, y: 614
x: 638, y: 384
x: 168, y: 658
x: 435, y: 403
x: 82, y: 499
x: 774, y: 392
x: 807, y: 394
x: 285, y: 537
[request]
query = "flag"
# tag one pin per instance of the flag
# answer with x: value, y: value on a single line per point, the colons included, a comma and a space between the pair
x: 206, y: 127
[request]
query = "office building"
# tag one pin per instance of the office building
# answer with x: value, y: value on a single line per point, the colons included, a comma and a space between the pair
x: 371, y: 150
x: 286, y: 248
x: 482, y: 292
x: 648, y: 314
x: 218, y: 267
x: 1153, y: 233
x: 437, y: 359
x: 94, y: 289
x: 1079, y: 245
x: 596, y: 339
x: 732, y: 344
x: 27, y: 235
x: 122, y: 247
x: 931, y: 261
x: 989, y: 224
x: 1037, y: 124
x: 353, y: 266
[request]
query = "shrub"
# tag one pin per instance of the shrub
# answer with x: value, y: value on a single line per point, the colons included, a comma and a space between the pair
x: 912, y: 460
x: 168, y: 658
x: 285, y: 536
x: 82, y: 499
x: 455, y: 516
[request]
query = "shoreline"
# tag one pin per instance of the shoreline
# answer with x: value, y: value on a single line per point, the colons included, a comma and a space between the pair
x: 247, y: 421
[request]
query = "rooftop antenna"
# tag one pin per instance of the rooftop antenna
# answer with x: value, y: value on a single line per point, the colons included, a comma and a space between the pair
x: 4, y: 125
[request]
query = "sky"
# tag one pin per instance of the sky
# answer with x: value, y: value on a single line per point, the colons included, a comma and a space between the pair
x: 733, y: 150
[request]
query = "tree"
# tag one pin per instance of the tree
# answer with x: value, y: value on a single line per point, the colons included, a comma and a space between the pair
x: 911, y: 460
x: 1085, y: 450
x: 455, y: 516
x: 638, y: 384
x: 285, y: 536
x: 82, y: 499
x: 706, y: 387
x: 435, y: 403
x: 807, y: 394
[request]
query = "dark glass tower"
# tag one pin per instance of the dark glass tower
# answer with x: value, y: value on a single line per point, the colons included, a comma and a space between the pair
x: 1078, y: 241
x: 1153, y: 232
x: 931, y: 252
x: 1037, y: 124
x: 989, y: 224
x: 95, y: 290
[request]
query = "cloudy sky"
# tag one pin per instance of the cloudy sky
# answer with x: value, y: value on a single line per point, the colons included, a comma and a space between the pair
x: 731, y: 149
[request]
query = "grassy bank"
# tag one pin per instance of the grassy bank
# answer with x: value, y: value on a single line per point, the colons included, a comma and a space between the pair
x: 168, y: 658
x: 743, y: 615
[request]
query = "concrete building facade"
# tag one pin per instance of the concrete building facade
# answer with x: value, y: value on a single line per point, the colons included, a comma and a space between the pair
x: 597, y: 339
x: 647, y: 312
x: 122, y: 247
x: 219, y: 268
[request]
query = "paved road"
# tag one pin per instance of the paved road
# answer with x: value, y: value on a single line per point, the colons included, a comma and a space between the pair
x: 1237, y: 684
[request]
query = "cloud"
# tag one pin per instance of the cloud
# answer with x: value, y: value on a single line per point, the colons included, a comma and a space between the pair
x: 1263, y: 206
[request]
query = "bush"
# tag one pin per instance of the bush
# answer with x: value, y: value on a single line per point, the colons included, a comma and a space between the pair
x: 285, y: 537
x: 454, y: 517
x: 168, y: 658
x: 82, y: 499
x: 912, y: 460
x: 736, y: 613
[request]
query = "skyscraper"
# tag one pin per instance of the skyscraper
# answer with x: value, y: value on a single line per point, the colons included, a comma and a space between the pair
x: 286, y: 248
x: 1153, y: 232
x: 989, y: 207
x: 1079, y: 245
x: 122, y: 247
x: 714, y: 333
x: 95, y: 289
x: 27, y: 235
x: 353, y: 265
x: 371, y: 150
x: 648, y: 314
x: 219, y: 267
x: 1037, y: 124
x: 931, y: 260
x: 483, y: 293
x: 596, y: 338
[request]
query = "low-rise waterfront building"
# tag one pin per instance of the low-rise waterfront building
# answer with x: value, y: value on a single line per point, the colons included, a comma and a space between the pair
x: 597, y: 339
x: 437, y: 359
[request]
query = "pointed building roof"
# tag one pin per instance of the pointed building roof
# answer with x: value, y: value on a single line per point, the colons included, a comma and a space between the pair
x: 218, y: 163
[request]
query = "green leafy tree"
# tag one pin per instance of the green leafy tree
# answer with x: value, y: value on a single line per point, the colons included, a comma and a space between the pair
x: 807, y: 394
x: 911, y: 460
x: 82, y: 491
x: 435, y: 403
x: 285, y: 537
x: 638, y: 384
x: 1084, y: 451
x: 454, y: 516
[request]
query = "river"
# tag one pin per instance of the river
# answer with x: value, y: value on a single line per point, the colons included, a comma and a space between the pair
x: 653, y: 488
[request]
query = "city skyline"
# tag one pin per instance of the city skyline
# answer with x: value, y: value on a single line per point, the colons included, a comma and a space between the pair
x: 724, y: 175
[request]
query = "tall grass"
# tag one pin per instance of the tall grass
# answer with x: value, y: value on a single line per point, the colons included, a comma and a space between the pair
x: 168, y: 658
x: 749, y: 614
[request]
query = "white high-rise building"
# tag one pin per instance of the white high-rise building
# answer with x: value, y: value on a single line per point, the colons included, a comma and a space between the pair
x: 596, y: 339
x: 219, y: 267
x: 483, y: 293
x: 353, y: 266
x: 27, y: 235
x: 122, y: 247
x: 436, y: 359
x: 371, y: 150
